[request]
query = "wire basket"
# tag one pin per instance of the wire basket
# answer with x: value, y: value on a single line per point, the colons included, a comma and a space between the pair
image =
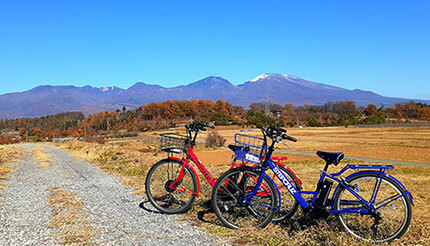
x: 172, y: 142
x: 249, y: 148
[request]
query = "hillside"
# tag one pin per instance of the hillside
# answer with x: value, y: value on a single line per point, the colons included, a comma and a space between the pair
x: 277, y: 88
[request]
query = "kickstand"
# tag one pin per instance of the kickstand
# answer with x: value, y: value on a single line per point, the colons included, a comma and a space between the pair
x: 295, y: 224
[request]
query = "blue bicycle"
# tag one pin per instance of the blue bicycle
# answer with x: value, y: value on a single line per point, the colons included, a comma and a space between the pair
x: 369, y: 203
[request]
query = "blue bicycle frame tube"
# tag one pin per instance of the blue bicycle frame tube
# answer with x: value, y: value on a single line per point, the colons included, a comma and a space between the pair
x: 259, y: 181
x: 376, y: 172
x: 294, y: 192
x: 284, y: 181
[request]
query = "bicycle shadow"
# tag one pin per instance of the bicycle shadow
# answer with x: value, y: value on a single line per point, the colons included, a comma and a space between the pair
x: 301, y: 223
x: 148, y: 209
x: 205, y: 208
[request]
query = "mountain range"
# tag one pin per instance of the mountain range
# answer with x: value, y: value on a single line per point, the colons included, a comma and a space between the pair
x: 277, y: 88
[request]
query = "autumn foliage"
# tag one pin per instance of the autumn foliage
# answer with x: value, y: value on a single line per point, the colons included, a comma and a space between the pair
x: 170, y: 114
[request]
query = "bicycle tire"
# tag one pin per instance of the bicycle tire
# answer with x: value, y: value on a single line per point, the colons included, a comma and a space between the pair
x: 232, y: 187
x: 289, y: 204
x: 360, y: 225
x: 157, y: 189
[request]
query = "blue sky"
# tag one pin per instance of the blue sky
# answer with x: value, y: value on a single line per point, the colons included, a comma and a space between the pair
x: 382, y: 46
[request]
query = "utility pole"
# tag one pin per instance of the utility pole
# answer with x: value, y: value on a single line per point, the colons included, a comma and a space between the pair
x: 266, y: 108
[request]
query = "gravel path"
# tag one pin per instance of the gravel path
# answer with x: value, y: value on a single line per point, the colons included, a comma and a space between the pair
x: 109, y: 208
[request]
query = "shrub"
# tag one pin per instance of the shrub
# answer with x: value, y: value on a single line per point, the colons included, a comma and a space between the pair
x: 259, y: 119
x: 214, y: 140
x: 94, y: 139
x: 313, y: 123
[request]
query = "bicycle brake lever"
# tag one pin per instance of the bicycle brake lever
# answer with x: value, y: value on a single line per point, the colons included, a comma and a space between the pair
x: 286, y: 144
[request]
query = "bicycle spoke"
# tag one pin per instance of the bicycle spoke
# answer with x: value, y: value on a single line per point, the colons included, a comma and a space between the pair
x: 161, y: 193
x: 387, y: 221
x: 228, y: 201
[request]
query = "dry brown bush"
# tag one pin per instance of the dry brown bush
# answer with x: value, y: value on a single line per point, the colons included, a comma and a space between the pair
x: 214, y: 140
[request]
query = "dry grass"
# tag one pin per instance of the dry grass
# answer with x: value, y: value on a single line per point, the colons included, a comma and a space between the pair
x: 320, y: 232
x: 68, y: 220
x: 41, y: 157
x: 131, y: 160
x: 403, y: 144
x: 9, y: 155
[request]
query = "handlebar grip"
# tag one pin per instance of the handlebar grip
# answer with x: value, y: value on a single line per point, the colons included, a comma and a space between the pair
x: 202, y: 126
x: 284, y: 136
x: 280, y: 129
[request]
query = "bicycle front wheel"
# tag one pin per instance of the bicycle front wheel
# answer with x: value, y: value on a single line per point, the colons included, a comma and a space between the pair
x: 229, y: 193
x: 159, y: 191
x: 393, y: 214
x: 289, y: 204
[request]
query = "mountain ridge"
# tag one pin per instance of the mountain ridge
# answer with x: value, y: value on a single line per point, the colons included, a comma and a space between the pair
x: 278, y: 88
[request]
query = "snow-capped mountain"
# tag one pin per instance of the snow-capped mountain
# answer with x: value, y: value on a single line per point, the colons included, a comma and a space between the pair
x: 279, y: 88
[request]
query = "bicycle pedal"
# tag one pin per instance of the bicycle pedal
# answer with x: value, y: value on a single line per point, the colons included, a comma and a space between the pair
x: 207, y: 204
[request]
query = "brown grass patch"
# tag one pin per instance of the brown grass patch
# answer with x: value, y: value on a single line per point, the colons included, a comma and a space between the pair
x: 69, y: 221
x: 403, y: 144
x: 41, y: 157
x: 9, y: 155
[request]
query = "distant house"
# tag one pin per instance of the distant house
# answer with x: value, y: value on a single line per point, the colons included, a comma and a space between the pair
x: 63, y: 139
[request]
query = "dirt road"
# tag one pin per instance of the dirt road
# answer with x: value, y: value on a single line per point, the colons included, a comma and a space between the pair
x: 73, y: 202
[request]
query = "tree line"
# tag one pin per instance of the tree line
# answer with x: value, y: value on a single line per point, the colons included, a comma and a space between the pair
x: 170, y: 114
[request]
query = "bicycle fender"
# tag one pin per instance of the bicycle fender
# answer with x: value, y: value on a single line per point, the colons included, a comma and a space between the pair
x: 375, y: 172
x: 273, y: 182
x: 192, y: 169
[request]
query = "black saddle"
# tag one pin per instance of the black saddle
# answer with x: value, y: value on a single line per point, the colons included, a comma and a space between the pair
x: 235, y: 148
x: 331, y: 157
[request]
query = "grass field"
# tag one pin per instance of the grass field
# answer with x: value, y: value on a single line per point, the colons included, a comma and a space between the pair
x: 131, y: 159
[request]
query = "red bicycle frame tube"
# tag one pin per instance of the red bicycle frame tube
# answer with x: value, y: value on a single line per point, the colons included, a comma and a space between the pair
x: 277, y: 161
x: 181, y: 175
x: 206, y: 173
x: 199, y: 165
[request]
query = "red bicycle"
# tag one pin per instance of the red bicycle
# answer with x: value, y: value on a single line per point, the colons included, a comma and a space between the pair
x: 172, y: 184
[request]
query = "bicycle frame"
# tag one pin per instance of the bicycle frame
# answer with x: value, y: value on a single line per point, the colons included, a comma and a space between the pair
x: 211, y: 180
x: 306, y: 206
x: 186, y: 162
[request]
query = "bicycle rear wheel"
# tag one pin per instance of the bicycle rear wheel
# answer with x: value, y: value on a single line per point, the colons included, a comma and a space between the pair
x: 391, y: 220
x: 232, y: 188
x: 164, y: 198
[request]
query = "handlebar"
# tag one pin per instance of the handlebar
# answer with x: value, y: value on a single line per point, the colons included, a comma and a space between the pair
x: 277, y: 134
x: 194, y: 128
x: 198, y: 126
